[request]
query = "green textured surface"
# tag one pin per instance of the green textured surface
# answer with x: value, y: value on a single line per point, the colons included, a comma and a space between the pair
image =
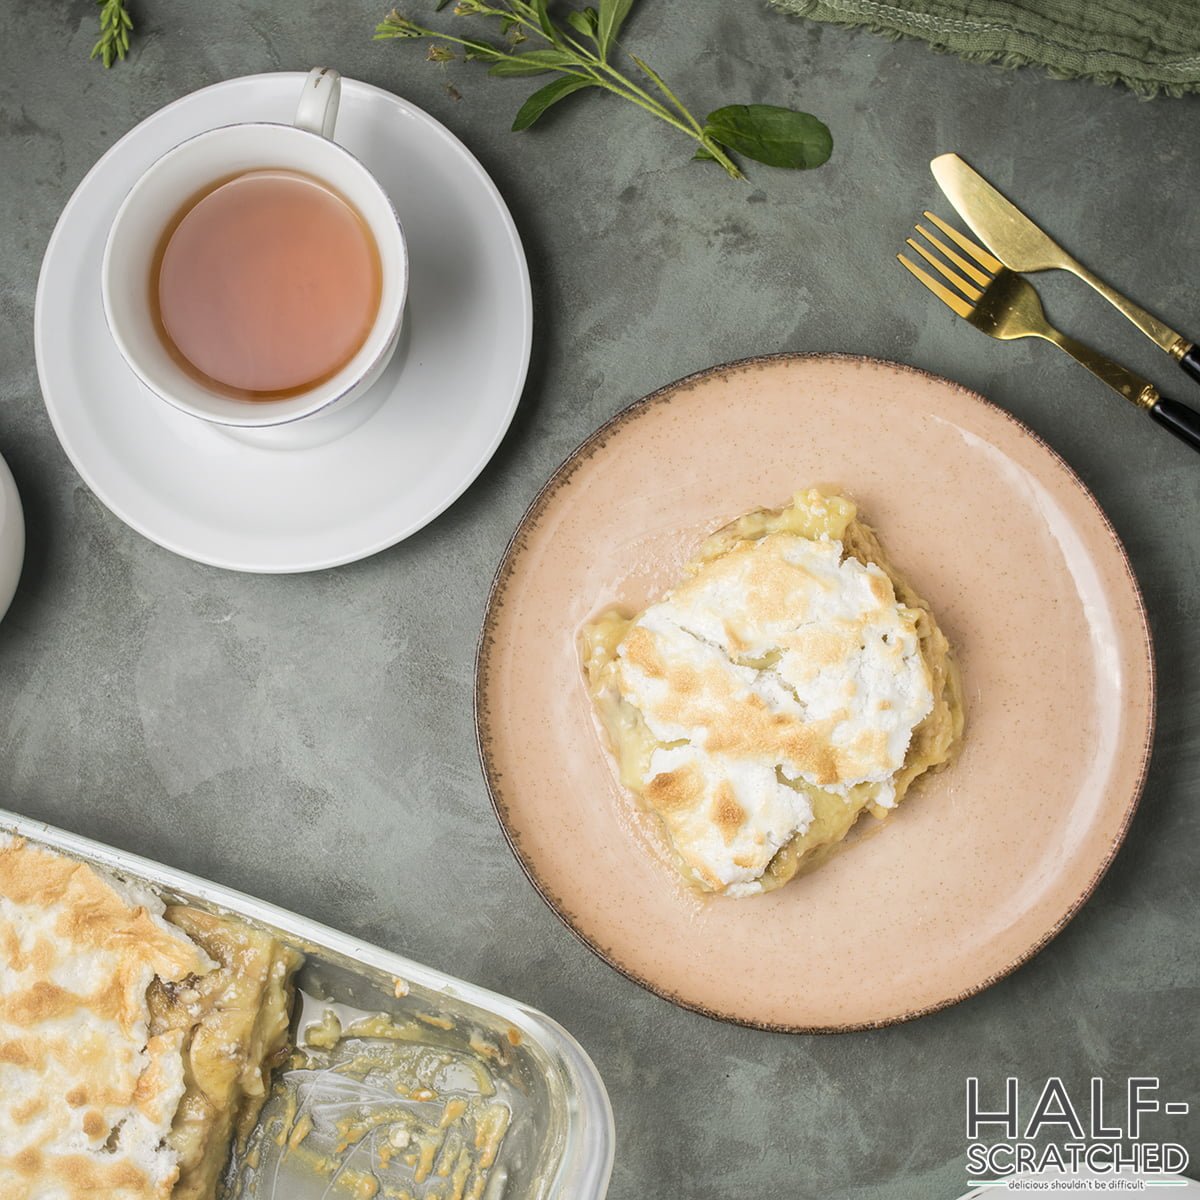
x: 309, y: 739
x: 1150, y: 45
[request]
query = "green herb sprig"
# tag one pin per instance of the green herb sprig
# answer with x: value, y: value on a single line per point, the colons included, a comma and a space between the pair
x: 115, y: 27
x: 582, y: 48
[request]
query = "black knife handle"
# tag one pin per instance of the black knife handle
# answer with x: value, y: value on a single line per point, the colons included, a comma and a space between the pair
x: 1190, y: 362
x: 1182, y: 421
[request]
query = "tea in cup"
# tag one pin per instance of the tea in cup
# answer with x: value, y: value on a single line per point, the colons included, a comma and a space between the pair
x: 256, y: 274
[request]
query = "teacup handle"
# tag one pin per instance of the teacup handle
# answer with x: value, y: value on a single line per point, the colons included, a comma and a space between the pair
x: 318, y: 108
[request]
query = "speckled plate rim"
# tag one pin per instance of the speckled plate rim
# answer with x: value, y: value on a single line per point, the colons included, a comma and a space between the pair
x: 504, y: 576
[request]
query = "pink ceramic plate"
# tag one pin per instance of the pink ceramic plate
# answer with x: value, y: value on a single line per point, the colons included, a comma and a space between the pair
x: 984, y: 862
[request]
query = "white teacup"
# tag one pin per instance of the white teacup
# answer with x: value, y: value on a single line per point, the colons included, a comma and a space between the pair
x: 186, y: 170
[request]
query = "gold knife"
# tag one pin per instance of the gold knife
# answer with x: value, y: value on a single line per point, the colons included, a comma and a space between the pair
x: 1021, y: 246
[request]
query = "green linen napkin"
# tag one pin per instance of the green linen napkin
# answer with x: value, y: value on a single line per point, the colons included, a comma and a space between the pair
x: 1152, y: 46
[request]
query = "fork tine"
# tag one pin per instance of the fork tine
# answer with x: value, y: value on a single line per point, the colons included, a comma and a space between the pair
x: 971, y: 293
x: 987, y: 261
x: 943, y: 293
x: 957, y: 259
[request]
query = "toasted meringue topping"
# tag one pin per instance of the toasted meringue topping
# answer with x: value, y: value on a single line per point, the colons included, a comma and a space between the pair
x: 782, y: 672
x: 87, y: 1096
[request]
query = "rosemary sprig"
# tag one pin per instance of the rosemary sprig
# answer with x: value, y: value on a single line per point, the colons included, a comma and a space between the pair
x: 582, y: 48
x: 115, y: 27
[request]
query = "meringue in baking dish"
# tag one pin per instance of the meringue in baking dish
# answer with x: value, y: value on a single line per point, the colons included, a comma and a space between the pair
x: 791, y: 682
x: 136, y: 1038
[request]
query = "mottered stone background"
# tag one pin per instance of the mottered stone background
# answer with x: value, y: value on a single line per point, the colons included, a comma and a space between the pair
x: 309, y: 739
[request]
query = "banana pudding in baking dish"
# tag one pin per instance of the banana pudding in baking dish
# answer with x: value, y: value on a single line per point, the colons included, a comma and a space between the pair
x: 791, y: 682
x: 144, y: 1012
x: 136, y: 1038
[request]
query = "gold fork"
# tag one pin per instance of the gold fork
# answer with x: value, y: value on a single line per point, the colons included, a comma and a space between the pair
x: 1005, y: 305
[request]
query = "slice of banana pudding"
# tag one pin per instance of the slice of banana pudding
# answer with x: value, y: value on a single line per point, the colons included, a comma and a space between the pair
x: 789, y: 683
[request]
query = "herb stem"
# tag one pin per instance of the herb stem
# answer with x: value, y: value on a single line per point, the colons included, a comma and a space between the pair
x: 636, y: 95
x: 633, y: 87
x: 660, y: 83
x: 621, y: 85
x: 523, y: 19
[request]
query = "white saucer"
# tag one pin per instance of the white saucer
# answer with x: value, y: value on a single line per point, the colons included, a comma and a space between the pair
x: 431, y: 423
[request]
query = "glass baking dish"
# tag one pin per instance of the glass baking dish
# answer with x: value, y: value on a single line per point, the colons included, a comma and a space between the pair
x: 451, y: 1092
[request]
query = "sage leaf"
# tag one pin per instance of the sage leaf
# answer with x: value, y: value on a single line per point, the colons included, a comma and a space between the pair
x: 611, y: 17
x: 779, y: 137
x: 584, y: 21
x: 532, y: 62
x: 544, y: 97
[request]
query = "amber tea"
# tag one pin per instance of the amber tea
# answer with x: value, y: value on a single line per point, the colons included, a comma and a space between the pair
x: 265, y: 285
